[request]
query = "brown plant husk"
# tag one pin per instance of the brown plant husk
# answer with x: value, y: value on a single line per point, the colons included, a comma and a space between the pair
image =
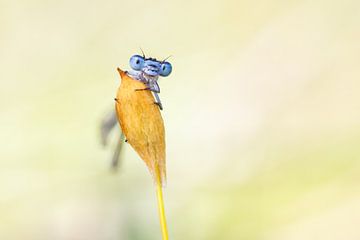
x: 141, y: 122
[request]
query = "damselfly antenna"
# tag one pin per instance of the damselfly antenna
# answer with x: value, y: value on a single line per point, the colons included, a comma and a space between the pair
x: 143, y: 54
x: 166, y: 58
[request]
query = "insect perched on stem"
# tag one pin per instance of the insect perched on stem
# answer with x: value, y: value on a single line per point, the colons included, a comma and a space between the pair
x: 147, y: 71
x: 140, y: 119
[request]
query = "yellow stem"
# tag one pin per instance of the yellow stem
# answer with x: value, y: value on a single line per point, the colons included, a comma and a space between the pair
x: 161, y: 208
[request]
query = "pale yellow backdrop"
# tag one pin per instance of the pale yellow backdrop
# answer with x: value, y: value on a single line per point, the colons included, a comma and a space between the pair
x: 262, y: 114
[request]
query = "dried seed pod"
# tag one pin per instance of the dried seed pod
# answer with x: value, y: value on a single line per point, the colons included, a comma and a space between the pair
x: 142, y: 124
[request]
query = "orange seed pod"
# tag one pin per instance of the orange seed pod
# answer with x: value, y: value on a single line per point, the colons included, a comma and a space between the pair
x: 142, y: 124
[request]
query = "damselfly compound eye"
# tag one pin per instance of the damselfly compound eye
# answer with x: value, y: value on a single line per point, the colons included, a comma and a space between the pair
x: 136, y: 62
x: 165, y: 69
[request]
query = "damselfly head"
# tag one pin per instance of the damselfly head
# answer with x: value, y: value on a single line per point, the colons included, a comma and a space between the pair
x: 150, y: 66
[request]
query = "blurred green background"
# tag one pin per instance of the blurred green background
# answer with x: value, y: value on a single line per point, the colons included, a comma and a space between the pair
x: 262, y: 114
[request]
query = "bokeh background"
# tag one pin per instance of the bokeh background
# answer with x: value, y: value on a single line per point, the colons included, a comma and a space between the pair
x: 262, y: 113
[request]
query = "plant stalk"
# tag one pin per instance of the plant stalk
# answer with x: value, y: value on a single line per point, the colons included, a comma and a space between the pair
x: 161, y: 207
